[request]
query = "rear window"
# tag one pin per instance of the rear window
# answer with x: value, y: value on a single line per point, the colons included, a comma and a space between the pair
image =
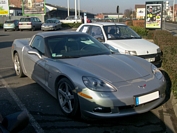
x: 25, y: 20
x: 9, y: 21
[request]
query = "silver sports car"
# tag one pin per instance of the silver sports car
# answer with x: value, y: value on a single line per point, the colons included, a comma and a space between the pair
x: 51, y: 24
x: 86, y: 78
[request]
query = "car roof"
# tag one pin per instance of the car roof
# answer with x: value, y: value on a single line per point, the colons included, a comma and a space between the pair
x: 56, y: 33
x: 103, y: 23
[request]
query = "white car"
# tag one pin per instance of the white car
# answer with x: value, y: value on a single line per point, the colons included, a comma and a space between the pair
x: 124, y: 39
x: 72, y: 19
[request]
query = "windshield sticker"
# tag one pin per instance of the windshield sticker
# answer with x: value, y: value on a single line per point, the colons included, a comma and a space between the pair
x: 54, y: 55
x: 85, y: 29
x: 87, y: 42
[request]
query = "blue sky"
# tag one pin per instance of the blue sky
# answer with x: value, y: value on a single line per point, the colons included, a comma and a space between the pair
x: 102, y: 6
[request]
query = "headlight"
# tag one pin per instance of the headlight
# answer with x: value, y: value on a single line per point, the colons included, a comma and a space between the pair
x: 158, y: 50
x: 97, y: 84
x: 130, y: 52
x: 156, y: 72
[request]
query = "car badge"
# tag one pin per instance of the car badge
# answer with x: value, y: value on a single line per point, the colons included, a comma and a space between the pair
x: 142, y: 86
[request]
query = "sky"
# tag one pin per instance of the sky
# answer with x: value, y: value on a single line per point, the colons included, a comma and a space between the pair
x: 102, y: 6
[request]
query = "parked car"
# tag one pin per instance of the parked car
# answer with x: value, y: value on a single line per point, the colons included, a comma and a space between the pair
x: 86, y: 78
x: 11, y: 25
x: 124, y: 39
x: 72, y: 19
x: 51, y: 24
x: 29, y: 23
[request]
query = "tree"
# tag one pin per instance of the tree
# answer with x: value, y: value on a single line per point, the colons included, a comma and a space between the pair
x: 127, y: 13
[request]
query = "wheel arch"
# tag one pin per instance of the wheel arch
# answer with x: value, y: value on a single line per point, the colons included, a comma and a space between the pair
x: 58, y: 79
x: 13, y: 55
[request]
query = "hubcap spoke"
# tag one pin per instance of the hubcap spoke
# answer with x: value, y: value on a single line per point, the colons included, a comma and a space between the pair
x: 64, y: 103
x: 65, y: 96
x: 70, y: 106
x: 62, y: 93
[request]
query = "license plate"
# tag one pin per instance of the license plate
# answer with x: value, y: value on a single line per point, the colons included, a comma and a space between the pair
x: 150, y: 59
x: 146, y: 98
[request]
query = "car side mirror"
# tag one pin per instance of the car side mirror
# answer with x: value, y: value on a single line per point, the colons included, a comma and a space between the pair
x: 34, y: 52
x: 100, y: 39
x: 111, y: 49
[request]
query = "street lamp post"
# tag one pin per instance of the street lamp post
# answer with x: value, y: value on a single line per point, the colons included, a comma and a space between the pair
x: 75, y: 9
x: 79, y: 8
x: 68, y: 6
x: 173, y: 10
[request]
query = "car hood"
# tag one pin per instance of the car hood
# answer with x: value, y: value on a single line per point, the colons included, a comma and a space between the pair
x: 141, y: 46
x: 114, y: 68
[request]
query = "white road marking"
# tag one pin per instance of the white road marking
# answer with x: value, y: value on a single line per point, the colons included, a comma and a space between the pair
x: 33, y: 122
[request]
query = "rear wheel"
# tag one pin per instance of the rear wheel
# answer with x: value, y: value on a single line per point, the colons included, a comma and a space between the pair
x: 16, y: 28
x: 5, y: 30
x: 17, y: 66
x: 33, y: 28
x: 68, y: 100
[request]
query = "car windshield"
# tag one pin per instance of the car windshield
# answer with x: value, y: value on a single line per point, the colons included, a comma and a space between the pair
x: 116, y: 32
x: 51, y: 21
x: 74, y: 46
x: 9, y: 21
x: 25, y: 20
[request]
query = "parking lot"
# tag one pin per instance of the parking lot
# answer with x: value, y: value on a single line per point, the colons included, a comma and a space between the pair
x: 45, y: 115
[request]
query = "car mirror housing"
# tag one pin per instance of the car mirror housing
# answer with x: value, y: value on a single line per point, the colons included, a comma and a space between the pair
x: 35, y: 52
x: 100, y: 39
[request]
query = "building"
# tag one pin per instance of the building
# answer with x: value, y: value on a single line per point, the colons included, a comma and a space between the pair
x: 140, y: 11
x: 108, y: 16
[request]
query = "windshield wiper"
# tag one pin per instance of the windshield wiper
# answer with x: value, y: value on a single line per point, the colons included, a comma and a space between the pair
x: 70, y: 57
x: 132, y: 37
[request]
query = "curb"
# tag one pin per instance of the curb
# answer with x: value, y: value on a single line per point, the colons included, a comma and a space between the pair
x: 174, y: 103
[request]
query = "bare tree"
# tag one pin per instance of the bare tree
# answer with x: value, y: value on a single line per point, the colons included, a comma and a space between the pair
x: 127, y: 13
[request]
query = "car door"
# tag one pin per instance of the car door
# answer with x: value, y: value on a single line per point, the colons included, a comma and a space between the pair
x: 34, y: 60
x: 39, y: 23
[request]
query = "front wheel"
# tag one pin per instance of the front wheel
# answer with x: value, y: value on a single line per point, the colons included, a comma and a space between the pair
x: 17, y: 66
x: 68, y: 100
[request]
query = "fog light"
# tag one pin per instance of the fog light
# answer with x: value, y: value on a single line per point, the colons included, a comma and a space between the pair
x: 102, y: 109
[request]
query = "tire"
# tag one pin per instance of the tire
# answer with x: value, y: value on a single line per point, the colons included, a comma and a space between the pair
x: 21, y: 30
x: 16, y: 28
x: 68, y: 100
x: 33, y: 28
x: 5, y: 30
x: 17, y: 66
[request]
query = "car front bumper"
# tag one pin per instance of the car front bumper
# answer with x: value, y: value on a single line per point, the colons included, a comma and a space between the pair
x: 120, y: 103
x: 47, y: 28
x: 155, y: 59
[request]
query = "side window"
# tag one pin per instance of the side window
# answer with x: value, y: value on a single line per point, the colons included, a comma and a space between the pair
x: 96, y: 32
x: 38, y: 43
x: 32, y: 20
x: 37, y: 19
x: 84, y: 29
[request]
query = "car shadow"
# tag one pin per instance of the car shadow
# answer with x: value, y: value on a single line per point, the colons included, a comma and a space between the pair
x: 168, y: 85
x: 5, y: 44
x: 44, y: 110
x: 4, y: 35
